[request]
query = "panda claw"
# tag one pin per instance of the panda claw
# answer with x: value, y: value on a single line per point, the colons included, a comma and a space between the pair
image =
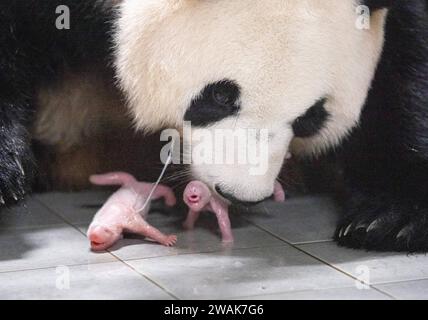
x: 19, y: 164
x: 347, y: 230
x: 404, y: 233
x: 373, y: 225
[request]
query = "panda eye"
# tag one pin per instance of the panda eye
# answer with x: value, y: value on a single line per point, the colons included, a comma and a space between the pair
x: 224, y: 94
x: 217, y: 101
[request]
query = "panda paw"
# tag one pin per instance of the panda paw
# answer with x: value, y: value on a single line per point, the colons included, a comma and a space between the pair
x: 395, y: 227
x: 15, y: 174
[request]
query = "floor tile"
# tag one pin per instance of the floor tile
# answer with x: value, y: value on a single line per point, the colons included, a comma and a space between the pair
x: 408, y: 290
x: 29, y: 214
x: 297, y: 220
x: 240, y: 272
x: 204, y: 238
x: 371, y: 266
x: 80, y: 208
x: 111, y: 281
x: 351, y: 293
x: 38, y: 239
x: 75, y: 208
x: 46, y: 247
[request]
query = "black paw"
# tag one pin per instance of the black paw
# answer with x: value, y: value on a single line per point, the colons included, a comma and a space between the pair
x: 386, y: 227
x: 15, y: 173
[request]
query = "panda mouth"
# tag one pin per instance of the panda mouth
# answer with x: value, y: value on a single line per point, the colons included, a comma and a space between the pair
x: 235, y: 201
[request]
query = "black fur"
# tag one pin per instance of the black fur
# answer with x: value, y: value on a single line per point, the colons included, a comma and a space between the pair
x: 312, y: 121
x: 386, y: 159
x: 236, y: 201
x: 34, y: 52
x: 216, y: 102
x: 379, y: 4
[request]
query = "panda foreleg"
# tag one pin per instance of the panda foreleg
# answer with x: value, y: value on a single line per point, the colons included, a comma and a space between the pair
x: 386, y: 203
x: 386, y: 157
x: 16, y: 159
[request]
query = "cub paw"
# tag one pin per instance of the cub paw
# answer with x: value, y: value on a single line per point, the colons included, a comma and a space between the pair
x: 170, y: 241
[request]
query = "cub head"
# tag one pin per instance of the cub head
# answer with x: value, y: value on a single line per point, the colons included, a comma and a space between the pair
x: 297, y: 69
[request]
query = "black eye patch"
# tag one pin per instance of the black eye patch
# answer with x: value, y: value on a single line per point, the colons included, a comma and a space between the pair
x: 312, y: 121
x: 216, y: 102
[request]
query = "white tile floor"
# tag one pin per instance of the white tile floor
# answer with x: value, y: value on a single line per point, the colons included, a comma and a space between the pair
x: 282, y: 251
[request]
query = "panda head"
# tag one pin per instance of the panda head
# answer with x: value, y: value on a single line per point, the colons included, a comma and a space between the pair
x: 300, y: 69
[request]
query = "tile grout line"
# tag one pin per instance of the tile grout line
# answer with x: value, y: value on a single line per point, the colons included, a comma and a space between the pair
x: 53, y: 267
x: 400, y: 281
x: 148, y: 279
x: 319, y: 259
x: 374, y: 286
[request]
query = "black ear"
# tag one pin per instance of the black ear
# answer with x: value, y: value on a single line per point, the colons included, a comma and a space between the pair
x: 379, y: 4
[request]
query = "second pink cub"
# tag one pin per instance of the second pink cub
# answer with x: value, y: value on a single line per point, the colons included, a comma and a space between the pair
x: 199, y: 197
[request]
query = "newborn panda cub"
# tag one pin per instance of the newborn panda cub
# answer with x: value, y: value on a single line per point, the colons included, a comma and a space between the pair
x: 198, y: 197
x: 124, y: 211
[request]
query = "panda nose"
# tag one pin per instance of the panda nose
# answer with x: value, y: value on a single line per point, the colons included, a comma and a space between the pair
x: 235, y: 200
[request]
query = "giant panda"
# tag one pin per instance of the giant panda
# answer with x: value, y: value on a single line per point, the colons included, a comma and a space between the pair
x: 306, y: 72
x: 301, y: 69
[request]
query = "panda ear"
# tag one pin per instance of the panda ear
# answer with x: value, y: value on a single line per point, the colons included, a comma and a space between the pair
x: 379, y: 4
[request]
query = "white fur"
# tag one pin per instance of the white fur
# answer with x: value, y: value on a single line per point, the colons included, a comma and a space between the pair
x: 284, y: 54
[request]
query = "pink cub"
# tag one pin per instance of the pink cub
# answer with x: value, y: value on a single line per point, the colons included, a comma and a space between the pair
x: 122, y: 213
x: 198, y: 197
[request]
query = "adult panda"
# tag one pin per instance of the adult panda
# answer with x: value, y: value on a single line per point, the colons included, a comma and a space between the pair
x: 303, y: 70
